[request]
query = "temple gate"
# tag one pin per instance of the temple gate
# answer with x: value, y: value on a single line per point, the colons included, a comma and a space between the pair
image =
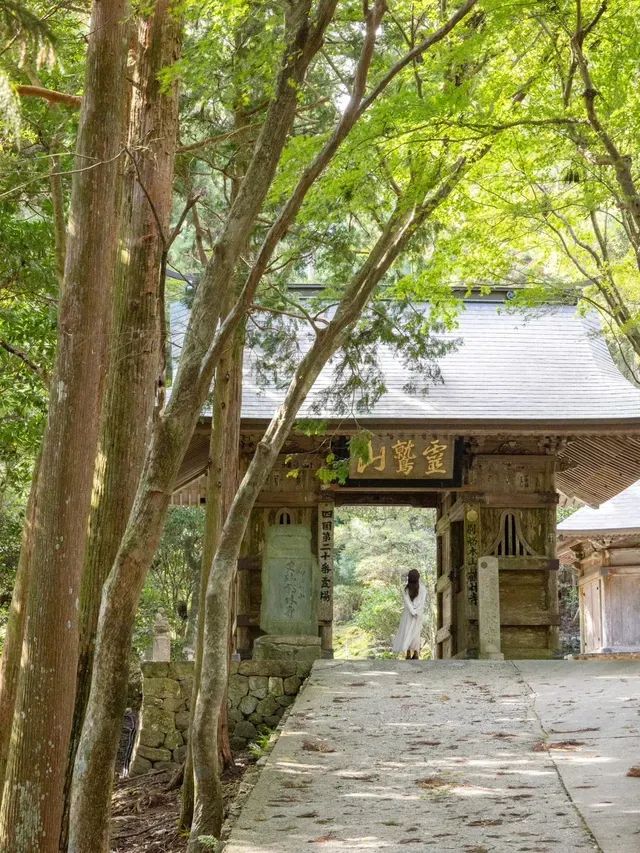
x: 529, y: 409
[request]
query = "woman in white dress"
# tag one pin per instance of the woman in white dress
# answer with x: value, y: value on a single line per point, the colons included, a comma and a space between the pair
x: 408, y: 638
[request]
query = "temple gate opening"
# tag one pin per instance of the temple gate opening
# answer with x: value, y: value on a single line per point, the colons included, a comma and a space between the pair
x: 530, y: 409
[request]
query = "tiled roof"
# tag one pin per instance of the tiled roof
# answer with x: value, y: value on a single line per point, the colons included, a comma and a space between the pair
x: 551, y: 366
x: 619, y: 515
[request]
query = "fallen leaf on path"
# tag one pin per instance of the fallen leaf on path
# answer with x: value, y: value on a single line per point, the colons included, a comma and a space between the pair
x: 317, y: 746
x: 565, y: 744
x: 542, y: 746
x: 576, y: 731
x: 432, y: 782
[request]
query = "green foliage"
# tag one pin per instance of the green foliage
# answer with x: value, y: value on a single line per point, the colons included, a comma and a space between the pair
x: 263, y: 744
x: 173, y: 578
x: 28, y: 326
x: 379, y: 613
x: 26, y: 41
x: 334, y: 470
x: 347, y: 597
x: 565, y: 511
x: 374, y: 549
x: 11, y: 519
x: 311, y: 426
x: 209, y: 842
x: 360, y: 446
x: 351, y: 642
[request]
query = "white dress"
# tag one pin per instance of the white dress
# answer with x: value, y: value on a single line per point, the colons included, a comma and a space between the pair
x: 408, y: 636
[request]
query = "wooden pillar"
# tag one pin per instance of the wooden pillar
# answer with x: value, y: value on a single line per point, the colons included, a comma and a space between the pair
x: 325, y: 561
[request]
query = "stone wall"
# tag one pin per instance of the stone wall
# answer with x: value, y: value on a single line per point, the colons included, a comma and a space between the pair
x: 259, y: 692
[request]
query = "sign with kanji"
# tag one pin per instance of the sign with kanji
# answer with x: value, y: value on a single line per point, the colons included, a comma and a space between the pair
x: 325, y: 560
x: 405, y: 457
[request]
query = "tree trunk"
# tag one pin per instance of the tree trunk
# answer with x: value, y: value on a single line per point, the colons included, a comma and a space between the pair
x: 32, y: 803
x: 10, y: 662
x: 95, y: 759
x: 222, y: 482
x: 402, y: 225
x: 136, y: 368
x: 59, y: 220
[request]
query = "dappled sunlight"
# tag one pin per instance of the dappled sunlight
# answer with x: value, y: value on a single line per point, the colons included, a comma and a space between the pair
x: 374, y: 757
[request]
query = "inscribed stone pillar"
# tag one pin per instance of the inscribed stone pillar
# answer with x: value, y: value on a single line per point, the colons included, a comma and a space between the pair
x: 290, y: 582
x: 489, y: 608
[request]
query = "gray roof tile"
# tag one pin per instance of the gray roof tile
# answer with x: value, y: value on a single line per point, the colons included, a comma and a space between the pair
x: 552, y: 365
x: 618, y: 515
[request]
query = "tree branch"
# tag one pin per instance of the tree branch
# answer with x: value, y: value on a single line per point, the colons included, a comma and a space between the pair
x: 49, y: 95
x: 216, y: 138
x: 42, y: 375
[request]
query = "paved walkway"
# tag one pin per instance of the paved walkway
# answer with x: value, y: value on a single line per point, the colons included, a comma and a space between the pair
x: 468, y: 756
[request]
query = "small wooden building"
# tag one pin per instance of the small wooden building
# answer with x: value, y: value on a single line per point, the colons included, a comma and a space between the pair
x: 529, y: 406
x: 603, y: 545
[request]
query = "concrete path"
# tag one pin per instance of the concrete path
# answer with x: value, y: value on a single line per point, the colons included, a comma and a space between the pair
x: 453, y: 756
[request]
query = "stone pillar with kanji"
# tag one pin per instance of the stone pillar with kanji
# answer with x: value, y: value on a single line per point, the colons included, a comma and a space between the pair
x: 325, y: 561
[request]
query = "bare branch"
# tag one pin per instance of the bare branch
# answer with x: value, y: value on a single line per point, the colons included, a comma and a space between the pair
x: 42, y: 375
x: 191, y: 201
x: 217, y: 138
x: 417, y: 51
x: 49, y: 95
x: 161, y: 234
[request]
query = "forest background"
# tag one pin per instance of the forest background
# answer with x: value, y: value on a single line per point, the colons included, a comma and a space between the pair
x: 391, y: 152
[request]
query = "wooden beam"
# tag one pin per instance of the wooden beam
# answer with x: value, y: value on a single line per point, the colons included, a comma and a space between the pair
x: 542, y: 620
x: 443, y: 582
x: 443, y: 634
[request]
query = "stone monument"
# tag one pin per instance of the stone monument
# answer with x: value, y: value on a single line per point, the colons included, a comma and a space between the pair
x: 290, y: 595
x: 161, y: 646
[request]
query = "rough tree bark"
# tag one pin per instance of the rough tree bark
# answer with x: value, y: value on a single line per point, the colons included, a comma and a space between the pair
x: 135, y: 371
x: 401, y: 227
x: 204, y: 342
x: 222, y: 479
x: 93, y: 771
x: 10, y: 662
x: 33, y: 790
x: 222, y: 482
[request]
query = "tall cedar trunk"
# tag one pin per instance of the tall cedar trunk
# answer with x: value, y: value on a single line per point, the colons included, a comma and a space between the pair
x: 95, y: 759
x: 208, y: 808
x: 202, y: 348
x: 59, y: 221
x: 32, y: 802
x: 222, y: 483
x: 10, y: 662
x: 222, y: 480
x: 136, y: 363
x: 213, y: 681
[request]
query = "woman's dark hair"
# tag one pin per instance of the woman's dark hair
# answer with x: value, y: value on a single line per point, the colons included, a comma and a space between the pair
x: 413, y: 583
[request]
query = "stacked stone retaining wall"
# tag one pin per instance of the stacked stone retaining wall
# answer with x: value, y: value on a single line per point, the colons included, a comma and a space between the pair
x: 259, y: 692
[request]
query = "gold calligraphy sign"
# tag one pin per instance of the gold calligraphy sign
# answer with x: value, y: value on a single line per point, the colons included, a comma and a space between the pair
x: 410, y: 457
